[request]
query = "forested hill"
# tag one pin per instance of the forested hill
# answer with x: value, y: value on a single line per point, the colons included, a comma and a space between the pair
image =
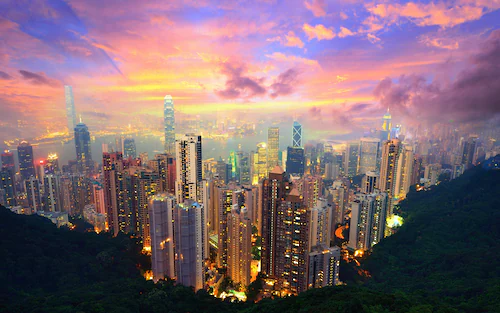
x: 448, y: 249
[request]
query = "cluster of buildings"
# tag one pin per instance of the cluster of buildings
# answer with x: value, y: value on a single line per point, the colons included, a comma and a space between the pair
x: 194, y: 215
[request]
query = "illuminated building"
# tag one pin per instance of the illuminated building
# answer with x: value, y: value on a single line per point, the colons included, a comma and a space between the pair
x: 311, y: 188
x: 295, y: 161
x: 51, y: 194
x: 70, y: 108
x: 260, y: 163
x: 169, y: 124
x: 239, y: 246
x: 224, y: 171
x: 129, y: 148
x: 368, y: 216
x: 273, y: 146
x: 296, y: 135
x: 225, y: 204
x: 188, y: 167
x: 98, y: 195
x: 51, y: 165
x: 351, y: 158
x: 369, y: 153
x: 388, y: 169
x: 58, y: 218
x: 25, y: 157
x: 274, y: 189
x: 161, y: 208
x: 431, y: 174
x: 404, y: 172
x: 96, y: 219
x: 8, y: 161
x: 33, y: 194
x: 369, y: 182
x: 245, y: 169
x: 189, y: 239
x: 7, y: 178
x: 320, y: 223
x: 111, y: 163
x: 324, y: 264
x: 338, y: 195
x: 386, y: 126
x: 82, y: 145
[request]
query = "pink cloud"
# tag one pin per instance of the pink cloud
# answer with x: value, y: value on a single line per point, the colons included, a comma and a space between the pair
x: 319, y: 32
x: 344, y: 32
x: 291, y: 40
x: 317, y: 7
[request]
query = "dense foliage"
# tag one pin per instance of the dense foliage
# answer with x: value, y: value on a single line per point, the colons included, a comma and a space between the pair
x: 444, y: 259
x: 447, y: 251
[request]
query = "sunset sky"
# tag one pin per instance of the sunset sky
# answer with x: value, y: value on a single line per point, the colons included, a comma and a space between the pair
x: 334, y: 64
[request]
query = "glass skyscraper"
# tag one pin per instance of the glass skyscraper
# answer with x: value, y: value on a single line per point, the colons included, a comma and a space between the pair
x: 82, y: 145
x: 129, y: 149
x: 297, y: 135
x: 169, y: 124
x: 25, y: 156
x: 70, y: 108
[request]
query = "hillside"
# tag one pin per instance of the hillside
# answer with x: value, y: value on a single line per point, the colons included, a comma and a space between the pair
x: 448, y: 248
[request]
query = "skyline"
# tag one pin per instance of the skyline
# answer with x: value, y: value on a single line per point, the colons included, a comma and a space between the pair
x: 336, y: 67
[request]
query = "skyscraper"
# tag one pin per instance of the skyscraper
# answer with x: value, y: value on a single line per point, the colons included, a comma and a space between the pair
x: 189, y: 167
x: 70, y: 108
x: 388, y: 169
x: 239, y: 246
x: 189, y: 239
x: 386, y: 126
x: 25, y: 157
x: 273, y: 146
x: 169, y: 124
x: 33, y: 194
x: 295, y: 161
x: 369, y: 155
x: 51, y: 186
x: 129, y: 149
x: 7, y: 178
x: 351, y: 158
x: 296, y: 135
x: 161, y: 208
x: 260, y: 163
x: 404, y: 172
x: 324, y: 263
x: 82, y: 145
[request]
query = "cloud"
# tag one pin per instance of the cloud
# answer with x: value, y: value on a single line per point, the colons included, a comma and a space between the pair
x: 161, y: 20
x: 38, y: 79
x: 5, y: 76
x: 293, y: 41
x: 372, y: 38
x: 95, y: 114
x: 319, y: 32
x: 317, y: 7
x: 444, y: 14
x: 278, y: 56
x: 238, y: 85
x: 343, y: 16
x: 472, y: 96
x: 439, y: 42
x: 344, y: 32
x: 285, y: 83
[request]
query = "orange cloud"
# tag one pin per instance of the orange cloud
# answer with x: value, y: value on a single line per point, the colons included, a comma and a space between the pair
x: 293, y: 41
x: 319, y: 32
x: 317, y: 7
x: 278, y: 56
x: 344, y: 32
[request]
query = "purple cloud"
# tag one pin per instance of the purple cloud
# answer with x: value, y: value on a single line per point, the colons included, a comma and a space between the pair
x: 473, y: 96
x: 239, y: 85
x: 285, y: 83
x: 5, y: 76
x: 38, y: 79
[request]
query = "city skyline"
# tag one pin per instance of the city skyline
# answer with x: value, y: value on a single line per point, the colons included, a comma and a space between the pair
x: 334, y: 66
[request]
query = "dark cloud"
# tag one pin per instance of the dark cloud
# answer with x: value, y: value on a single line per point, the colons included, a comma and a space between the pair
x: 358, y: 107
x: 285, y: 83
x: 38, y: 79
x: 5, y: 76
x: 99, y: 115
x: 239, y: 85
x: 473, y: 96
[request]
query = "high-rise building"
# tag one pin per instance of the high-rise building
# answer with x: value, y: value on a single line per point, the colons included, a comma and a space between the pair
x: 388, y: 169
x: 324, y: 264
x: 98, y: 197
x: 468, y: 149
x: 239, y: 246
x: 369, y: 182
x: 189, y: 239
x: 161, y: 208
x: 260, y: 163
x: 295, y: 161
x: 51, y: 165
x: 33, y: 194
x: 273, y: 146
x: 320, y: 223
x: 129, y: 149
x: 70, y: 108
x: 225, y: 204
x: 369, y: 155
x: 82, y: 145
x: 51, y: 194
x: 311, y: 188
x: 296, y: 135
x: 111, y: 164
x: 386, y: 126
x: 7, y: 178
x: 404, y: 172
x: 169, y: 124
x: 189, y: 167
x: 25, y: 157
x: 338, y: 195
x: 351, y: 158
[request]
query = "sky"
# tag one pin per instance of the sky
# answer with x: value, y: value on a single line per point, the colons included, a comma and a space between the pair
x: 336, y: 66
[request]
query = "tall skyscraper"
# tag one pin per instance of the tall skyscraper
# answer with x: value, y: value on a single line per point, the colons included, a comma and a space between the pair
x: 161, y: 208
x: 169, y: 124
x: 273, y: 146
x: 296, y: 135
x: 70, y: 108
x: 260, y: 163
x: 111, y: 164
x: 7, y: 178
x: 82, y: 145
x: 369, y: 155
x: 388, y: 169
x: 404, y: 172
x: 129, y: 149
x: 51, y: 186
x: 324, y: 263
x: 189, y: 167
x: 33, y: 194
x: 386, y: 126
x: 320, y: 223
x: 239, y: 246
x: 25, y: 157
x: 189, y: 239
x: 351, y: 158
